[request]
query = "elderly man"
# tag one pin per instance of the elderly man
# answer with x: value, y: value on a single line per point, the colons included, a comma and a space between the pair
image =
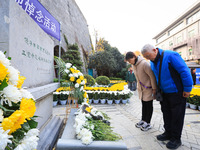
x: 176, y: 84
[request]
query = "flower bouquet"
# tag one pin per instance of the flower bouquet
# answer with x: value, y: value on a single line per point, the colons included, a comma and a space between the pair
x: 91, y: 124
x: 17, y: 107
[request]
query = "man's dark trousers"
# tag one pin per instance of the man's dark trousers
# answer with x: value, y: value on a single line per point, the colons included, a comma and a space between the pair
x: 173, y: 108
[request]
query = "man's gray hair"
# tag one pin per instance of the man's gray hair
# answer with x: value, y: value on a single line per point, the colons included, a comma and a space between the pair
x: 147, y: 48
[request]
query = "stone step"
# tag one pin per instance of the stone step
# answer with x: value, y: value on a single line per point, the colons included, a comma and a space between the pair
x: 49, y: 134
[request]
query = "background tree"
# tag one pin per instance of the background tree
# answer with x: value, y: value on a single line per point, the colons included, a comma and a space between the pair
x: 72, y: 55
x: 107, y: 60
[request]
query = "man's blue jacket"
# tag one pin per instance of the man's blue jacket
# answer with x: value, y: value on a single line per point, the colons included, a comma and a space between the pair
x: 175, y: 75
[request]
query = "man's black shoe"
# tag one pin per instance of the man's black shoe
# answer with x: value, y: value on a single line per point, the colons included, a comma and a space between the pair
x: 163, y: 137
x: 173, y: 144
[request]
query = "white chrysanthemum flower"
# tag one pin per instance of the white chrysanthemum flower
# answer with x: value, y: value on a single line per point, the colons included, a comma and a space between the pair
x: 86, y: 136
x: 93, y: 111
x: 83, y: 82
x: 80, y: 74
x: 87, y: 140
x: 76, y: 85
x: 68, y: 65
x: 81, y: 89
x: 10, y: 94
x: 1, y: 115
x: 67, y: 71
x: 4, y: 138
x: 85, y: 100
x: 74, y: 67
x: 29, y: 142
x: 75, y: 75
x: 71, y: 75
x: 56, y: 93
x: 13, y: 75
x: 4, y: 60
x: 26, y: 94
x: 32, y: 132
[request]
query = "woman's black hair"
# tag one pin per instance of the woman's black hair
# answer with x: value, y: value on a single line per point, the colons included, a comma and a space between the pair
x: 130, y: 55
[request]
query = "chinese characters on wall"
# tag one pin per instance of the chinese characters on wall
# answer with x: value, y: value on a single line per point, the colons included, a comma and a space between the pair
x: 34, y: 54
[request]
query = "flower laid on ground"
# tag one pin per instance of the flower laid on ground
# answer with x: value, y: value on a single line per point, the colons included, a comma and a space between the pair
x: 17, y: 107
x: 90, y: 124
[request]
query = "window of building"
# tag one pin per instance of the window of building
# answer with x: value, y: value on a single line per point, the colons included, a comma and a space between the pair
x: 190, y: 51
x: 170, y: 43
x: 179, y: 39
x: 176, y: 29
x: 191, y: 33
x: 193, y: 17
x: 161, y: 38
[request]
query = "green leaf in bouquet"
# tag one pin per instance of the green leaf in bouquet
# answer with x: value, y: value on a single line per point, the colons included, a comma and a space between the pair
x: 32, y: 123
x: 26, y: 126
x: 3, y: 84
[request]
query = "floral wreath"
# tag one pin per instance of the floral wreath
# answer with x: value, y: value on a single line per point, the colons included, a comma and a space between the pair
x: 77, y: 82
x: 17, y: 108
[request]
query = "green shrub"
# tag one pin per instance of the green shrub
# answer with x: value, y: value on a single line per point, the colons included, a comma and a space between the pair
x: 115, y: 78
x: 103, y: 80
x: 90, y: 80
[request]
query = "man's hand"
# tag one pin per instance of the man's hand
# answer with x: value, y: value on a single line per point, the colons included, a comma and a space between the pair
x: 186, y: 94
x: 154, y: 91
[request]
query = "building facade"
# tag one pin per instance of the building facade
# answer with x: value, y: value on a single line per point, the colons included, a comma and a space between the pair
x: 183, y: 35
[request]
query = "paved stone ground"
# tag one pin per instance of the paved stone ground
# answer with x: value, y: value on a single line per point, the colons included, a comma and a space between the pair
x: 124, y: 117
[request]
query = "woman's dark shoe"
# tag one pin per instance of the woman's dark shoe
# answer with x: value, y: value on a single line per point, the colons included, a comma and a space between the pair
x: 163, y: 137
x: 173, y: 144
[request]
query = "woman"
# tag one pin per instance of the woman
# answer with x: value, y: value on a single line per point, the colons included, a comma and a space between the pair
x: 193, y: 72
x: 146, y: 85
x: 130, y: 78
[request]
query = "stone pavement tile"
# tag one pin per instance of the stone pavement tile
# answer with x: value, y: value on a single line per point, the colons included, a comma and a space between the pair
x: 198, y: 139
x: 189, y: 140
x: 147, y: 142
x: 195, y: 146
x: 191, y: 136
x: 132, y: 143
x: 186, y: 143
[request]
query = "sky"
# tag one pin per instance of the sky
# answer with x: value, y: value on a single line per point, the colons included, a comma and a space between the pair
x: 130, y: 24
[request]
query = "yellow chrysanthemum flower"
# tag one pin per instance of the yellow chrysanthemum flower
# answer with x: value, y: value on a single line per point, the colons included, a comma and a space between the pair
x: 28, y: 106
x: 14, y: 121
x: 72, y: 70
x: 76, y: 71
x: 87, y: 100
x: 81, y: 77
x: 72, y: 79
x: 85, y: 81
x: 78, y: 81
x: 4, y: 72
x: 88, y: 109
x: 85, y: 95
x: 20, y: 81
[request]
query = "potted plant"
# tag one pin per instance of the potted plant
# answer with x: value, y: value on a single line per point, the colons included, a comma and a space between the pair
x: 126, y: 95
x: 103, y: 97
x: 110, y: 98
x: 55, y: 98
x: 90, y: 95
x: 198, y: 102
x: 117, y: 98
x: 96, y: 98
x: 187, y: 102
x: 193, y: 102
x: 129, y: 96
x: 63, y: 98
